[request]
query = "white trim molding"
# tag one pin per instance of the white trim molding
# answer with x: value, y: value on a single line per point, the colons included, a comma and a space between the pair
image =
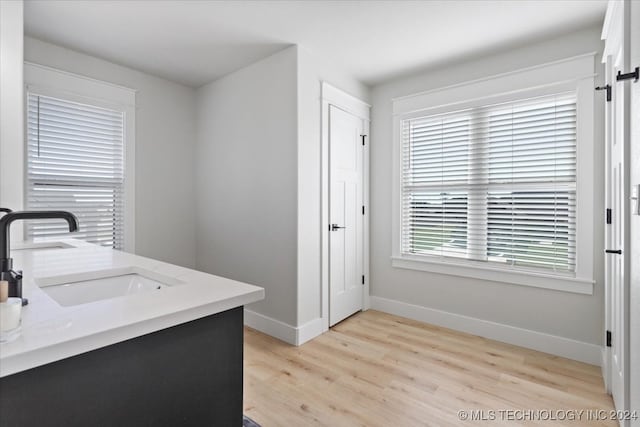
x: 344, y: 100
x: 12, y: 152
x: 576, y: 74
x: 267, y: 325
x: 604, y: 365
x: 471, y: 269
x: 283, y: 331
x: 564, y: 70
x: 309, y: 331
x: 552, y: 344
x: 78, y: 86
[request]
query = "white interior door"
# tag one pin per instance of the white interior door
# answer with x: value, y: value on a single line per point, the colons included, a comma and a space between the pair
x: 634, y: 231
x: 346, y: 219
x: 608, y: 194
x: 616, y: 273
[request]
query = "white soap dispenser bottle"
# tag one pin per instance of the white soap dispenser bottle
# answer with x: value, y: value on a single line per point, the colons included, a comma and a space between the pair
x: 10, y: 314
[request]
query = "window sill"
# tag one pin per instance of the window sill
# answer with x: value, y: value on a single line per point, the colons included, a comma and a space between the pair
x: 523, y: 278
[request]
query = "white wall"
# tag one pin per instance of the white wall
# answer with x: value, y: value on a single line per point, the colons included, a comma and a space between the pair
x: 165, y: 141
x: 11, y: 106
x: 259, y: 136
x: 312, y: 71
x: 247, y: 180
x: 567, y: 315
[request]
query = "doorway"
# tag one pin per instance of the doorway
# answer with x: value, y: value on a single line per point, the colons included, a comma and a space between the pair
x: 345, y: 205
x: 616, y: 359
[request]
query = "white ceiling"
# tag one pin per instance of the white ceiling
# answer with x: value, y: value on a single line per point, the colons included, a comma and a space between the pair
x: 195, y: 42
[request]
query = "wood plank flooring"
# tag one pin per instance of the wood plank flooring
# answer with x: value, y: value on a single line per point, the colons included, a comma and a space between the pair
x: 375, y: 369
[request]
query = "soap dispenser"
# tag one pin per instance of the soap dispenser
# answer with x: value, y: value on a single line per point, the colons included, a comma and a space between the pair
x: 10, y: 314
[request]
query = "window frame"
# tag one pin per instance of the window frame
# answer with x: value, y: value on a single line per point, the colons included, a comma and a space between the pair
x: 574, y: 74
x: 47, y: 81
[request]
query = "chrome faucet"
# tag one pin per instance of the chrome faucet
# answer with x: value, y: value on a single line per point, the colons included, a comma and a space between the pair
x: 6, y: 263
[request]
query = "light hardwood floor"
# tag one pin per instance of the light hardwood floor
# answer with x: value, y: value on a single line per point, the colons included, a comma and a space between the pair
x: 375, y: 369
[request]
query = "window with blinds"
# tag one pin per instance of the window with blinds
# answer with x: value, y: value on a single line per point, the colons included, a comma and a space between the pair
x: 494, y: 184
x: 75, y: 162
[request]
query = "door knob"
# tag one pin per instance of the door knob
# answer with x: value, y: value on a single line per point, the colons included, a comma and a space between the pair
x: 335, y: 227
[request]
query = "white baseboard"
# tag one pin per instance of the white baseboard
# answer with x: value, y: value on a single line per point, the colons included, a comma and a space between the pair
x: 552, y: 344
x: 309, y: 331
x: 604, y: 364
x: 283, y: 331
x: 270, y: 326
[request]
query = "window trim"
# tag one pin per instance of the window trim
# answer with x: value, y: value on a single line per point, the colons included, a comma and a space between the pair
x: 49, y: 81
x: 572, y: 74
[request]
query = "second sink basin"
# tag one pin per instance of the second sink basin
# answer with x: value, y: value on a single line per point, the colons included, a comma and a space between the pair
x: 70, y: 291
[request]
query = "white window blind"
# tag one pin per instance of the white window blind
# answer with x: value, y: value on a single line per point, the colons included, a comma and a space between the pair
x: 494, y: 184
x: 75, y: 162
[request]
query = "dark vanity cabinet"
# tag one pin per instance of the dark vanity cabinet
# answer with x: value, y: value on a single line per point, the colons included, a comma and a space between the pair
x: 186, y: 375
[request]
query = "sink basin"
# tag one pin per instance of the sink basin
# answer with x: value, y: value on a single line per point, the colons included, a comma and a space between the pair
x: 36, y: 246
x: 69, y: 291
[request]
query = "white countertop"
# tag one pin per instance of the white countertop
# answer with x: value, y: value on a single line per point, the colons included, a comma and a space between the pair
x: 51, y: 332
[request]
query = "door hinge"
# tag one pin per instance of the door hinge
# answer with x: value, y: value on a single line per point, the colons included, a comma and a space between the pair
x: 363, y: 210
x: 608, y: 338
x: 363, y: 137
x: 363, y: 279
x: 608, y: 89
x: 608, y: 216
x: 635, y: 75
